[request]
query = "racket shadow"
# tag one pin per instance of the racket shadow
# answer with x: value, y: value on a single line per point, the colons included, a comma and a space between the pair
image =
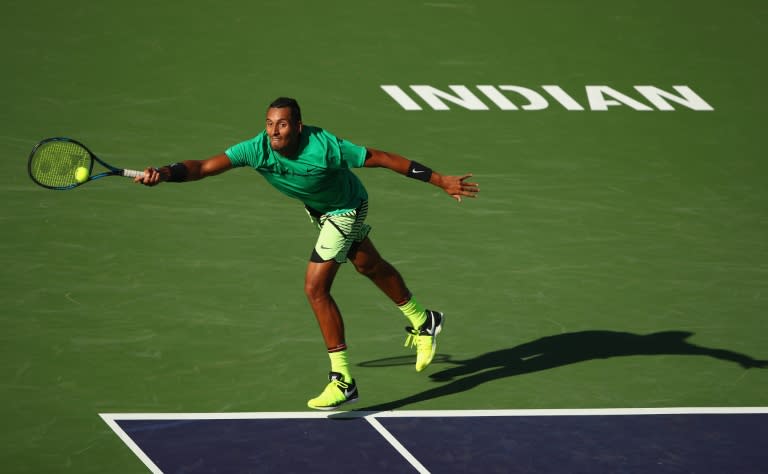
x: 551, y: 352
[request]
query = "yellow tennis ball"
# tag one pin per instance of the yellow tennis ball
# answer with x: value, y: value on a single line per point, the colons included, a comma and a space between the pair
x: 81, y: 174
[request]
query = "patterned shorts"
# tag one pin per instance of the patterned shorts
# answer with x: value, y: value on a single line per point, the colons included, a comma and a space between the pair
x: 339, y: 232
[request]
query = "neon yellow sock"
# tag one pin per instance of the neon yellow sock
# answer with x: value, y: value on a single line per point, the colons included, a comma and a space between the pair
x: 414, y: 312
x: 340, y: 364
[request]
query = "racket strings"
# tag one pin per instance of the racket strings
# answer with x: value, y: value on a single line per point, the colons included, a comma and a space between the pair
x: 54, y: 163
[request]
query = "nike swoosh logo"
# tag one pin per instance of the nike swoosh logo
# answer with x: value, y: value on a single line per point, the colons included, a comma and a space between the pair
x: 416, y: 171
x: 347, y: 393
x: 325, y: 248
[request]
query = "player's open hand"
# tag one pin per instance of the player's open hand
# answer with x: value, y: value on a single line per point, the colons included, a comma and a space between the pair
x: 458, y: 186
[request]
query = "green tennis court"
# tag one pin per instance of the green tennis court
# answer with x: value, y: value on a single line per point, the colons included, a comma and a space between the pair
x: 615, y: 258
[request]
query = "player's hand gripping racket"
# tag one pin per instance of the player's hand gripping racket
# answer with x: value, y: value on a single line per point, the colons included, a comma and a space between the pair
x: 62, y: 163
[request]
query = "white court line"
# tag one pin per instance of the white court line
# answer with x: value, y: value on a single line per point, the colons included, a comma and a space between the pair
x: 111, y: 420
x: 575, y: 412
x: 435, y: 413
x: 129, y: 442
x: 396, y: 444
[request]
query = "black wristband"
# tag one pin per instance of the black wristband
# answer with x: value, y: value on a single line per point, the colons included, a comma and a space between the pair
x: 178, y: 172
x: 418, y: 171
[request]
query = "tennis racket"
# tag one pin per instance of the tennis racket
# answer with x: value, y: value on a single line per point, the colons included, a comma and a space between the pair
x: 54, y: 164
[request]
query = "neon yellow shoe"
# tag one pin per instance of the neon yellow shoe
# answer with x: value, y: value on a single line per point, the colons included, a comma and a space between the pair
x: 336, y: 393
x: 425, y: 339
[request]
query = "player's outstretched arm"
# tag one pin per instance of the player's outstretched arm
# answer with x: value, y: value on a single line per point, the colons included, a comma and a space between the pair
x: 455, y: 186
x: 187, y: 170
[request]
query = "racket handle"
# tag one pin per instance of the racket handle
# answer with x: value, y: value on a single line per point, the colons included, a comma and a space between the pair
x: 133, y: 173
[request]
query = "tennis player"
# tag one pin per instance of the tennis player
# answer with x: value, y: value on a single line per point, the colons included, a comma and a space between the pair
x: 314, y: 166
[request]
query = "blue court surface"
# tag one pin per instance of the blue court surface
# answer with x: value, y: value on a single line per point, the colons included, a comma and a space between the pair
x: 668, y: 440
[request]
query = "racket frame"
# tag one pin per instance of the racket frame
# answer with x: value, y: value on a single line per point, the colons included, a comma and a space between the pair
x: 111, y: 170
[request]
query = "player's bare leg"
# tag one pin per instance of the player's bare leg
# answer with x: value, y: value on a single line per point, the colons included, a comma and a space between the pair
x: 368, y: 262
x: 426, y: 324
x: 317, y: 287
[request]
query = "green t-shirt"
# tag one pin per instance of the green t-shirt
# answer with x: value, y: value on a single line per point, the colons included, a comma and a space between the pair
x: 319, y: 175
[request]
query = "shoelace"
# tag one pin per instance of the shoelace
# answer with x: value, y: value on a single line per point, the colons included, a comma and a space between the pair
x: 413, y: 339
x: 331, y: 389
x: 341, y: 384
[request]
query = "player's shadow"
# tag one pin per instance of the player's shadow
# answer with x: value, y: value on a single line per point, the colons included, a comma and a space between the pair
x: 554, y: 351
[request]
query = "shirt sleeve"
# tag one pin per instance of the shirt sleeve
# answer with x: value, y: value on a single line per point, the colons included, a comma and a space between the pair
x: 245, y: 153
x: 351, y: 154
x: 236, y: 155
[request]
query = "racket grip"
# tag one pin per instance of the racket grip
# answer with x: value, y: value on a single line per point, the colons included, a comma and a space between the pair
x: 133, y: 173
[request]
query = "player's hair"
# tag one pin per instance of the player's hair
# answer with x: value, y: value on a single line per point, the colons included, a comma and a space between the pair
x: 282, y: 102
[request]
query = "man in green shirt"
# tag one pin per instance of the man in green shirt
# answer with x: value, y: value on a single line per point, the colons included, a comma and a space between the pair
x: 314, y: 166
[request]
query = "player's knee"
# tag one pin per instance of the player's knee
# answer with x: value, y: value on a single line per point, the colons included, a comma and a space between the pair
x: 364, y: 267
x: 311, y: 289
x: 316, y: 290
x: 371, y: 267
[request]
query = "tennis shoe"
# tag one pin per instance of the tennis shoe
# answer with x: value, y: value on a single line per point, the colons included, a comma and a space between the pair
x: 336, y: 393
x: 424, y: 339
